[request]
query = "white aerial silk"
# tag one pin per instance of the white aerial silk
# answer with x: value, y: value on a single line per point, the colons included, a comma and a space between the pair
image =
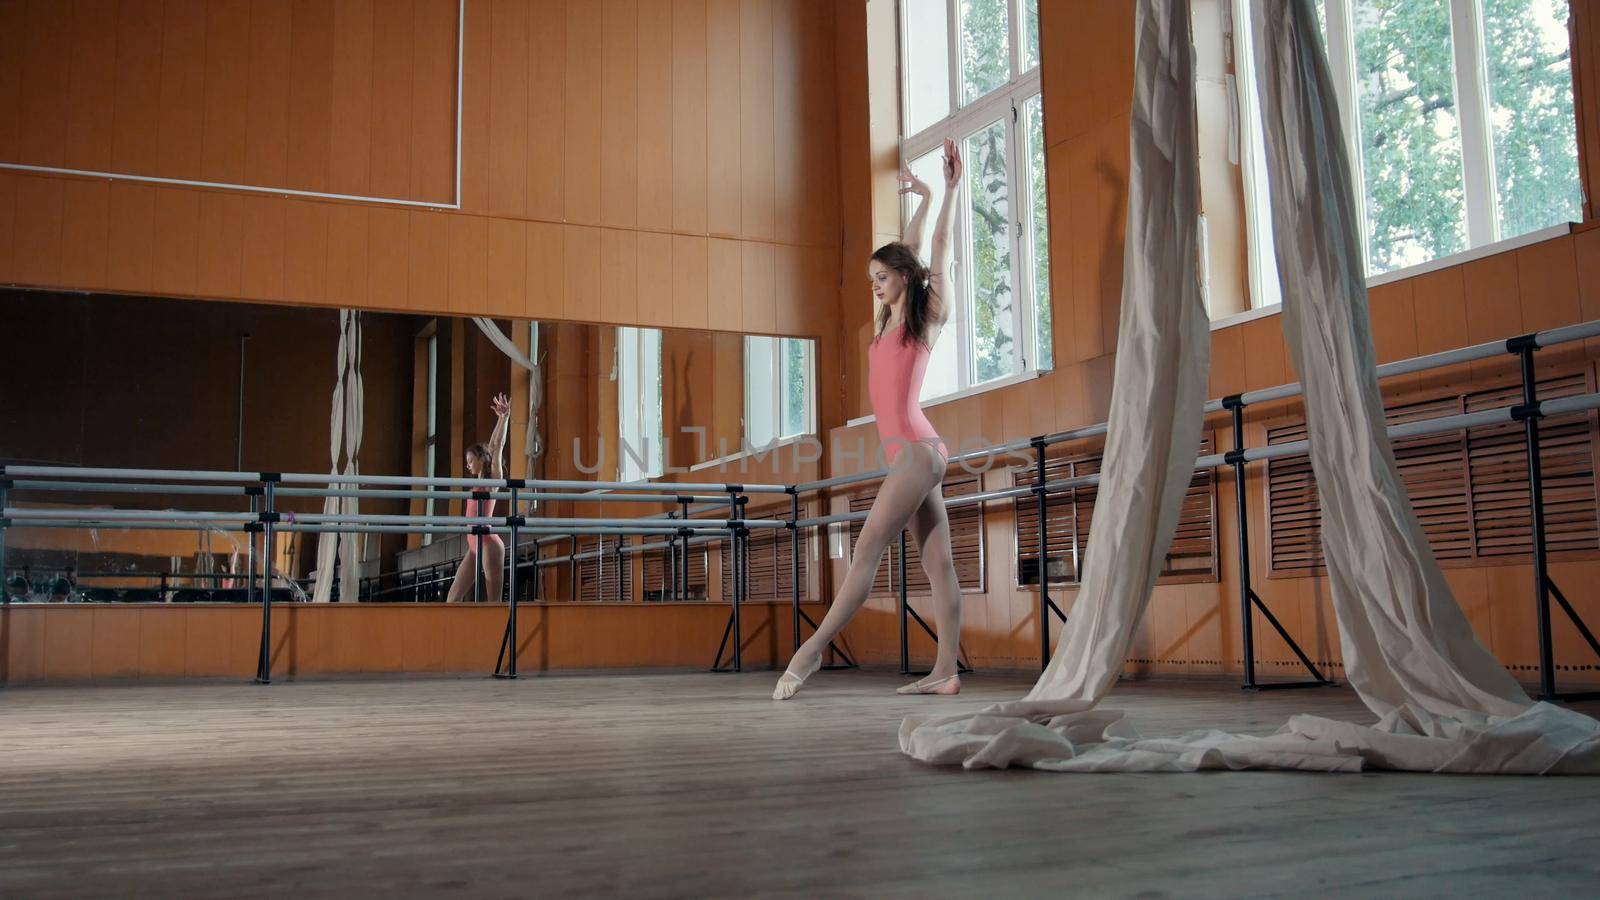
x: 1444, y: 703
x: 344, y: 443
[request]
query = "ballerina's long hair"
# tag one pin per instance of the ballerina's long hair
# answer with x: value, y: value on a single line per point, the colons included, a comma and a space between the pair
x: 919, y: 293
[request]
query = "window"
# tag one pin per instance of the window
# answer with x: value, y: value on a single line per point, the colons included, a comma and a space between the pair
x: 1458, y: 116
x: 777, y: 389
x: 639, y: 403
x: 431, y: 437
x: 970, y: 73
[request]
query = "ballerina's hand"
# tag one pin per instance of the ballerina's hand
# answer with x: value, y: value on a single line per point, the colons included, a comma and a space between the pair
x: 911, y: 184
x: 501, y: 404
x: 952, y: 162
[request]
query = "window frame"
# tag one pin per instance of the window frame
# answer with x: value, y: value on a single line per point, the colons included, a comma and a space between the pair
x: 1473, y: 98
x: 1004, y: 103
x: 772, y: 383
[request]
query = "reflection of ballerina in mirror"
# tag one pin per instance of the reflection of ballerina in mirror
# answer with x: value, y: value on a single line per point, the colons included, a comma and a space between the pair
x: 483, y: 461
x: 911, y: 311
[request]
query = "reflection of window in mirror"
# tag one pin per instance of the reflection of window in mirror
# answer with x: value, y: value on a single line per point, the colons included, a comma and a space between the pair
x: 639, y: 404
x: 971, y: 74
x: 777, y: 394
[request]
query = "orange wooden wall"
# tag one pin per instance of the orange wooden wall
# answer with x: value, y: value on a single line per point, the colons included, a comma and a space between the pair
x: 167, y: 641
x: 656, y: 162
x: 1194, y: 628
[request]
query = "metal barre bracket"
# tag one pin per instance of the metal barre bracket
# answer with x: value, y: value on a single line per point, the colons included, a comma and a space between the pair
x: 1516, y: 345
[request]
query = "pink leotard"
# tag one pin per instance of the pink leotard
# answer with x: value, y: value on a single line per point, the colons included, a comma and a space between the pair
x: 480, y: 509
x: 894, y: 382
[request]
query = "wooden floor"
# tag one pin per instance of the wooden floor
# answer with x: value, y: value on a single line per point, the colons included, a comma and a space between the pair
x: 688, y: 785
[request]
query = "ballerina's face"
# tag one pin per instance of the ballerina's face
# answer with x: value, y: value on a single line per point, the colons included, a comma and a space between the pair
x: 888, y: 285
x: 474, y: 465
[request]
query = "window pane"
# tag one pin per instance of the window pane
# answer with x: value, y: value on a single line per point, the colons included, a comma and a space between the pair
x: 927, y: 62
x: 760, y: 424
x: 1030, y: 25
x: 1410, y: 135
x: 930, y: 168
x: 650, y: 387
x: 1039, y: 234
x: 985, y: 47
x: 794, y: 394
x: 989, y: 249
x: 944, y: 374
x: 1530, y: 110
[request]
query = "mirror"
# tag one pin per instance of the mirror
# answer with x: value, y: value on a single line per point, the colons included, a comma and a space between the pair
x: 149, y: 383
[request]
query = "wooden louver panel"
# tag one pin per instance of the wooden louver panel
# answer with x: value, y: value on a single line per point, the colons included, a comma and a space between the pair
x: 604, y: 577
x: 771, y: 566
x: 1069, y: 517
x: 657, y: 568
x: 966, y: 541
x: 1469, y: 489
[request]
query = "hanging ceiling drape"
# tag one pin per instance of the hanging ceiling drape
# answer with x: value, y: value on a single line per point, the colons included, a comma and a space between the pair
x: 1443, y: 702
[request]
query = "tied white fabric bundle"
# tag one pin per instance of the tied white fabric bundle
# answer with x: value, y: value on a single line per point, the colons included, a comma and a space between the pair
x: 344, y: 439
x: 1444, y: 703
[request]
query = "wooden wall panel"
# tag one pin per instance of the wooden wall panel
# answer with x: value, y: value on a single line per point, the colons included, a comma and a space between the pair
x: 267, y: 92
x: 655, y: 115
x: 756, y: 117
x: 690, y: 123
x: 40, y: 206
x: 45, y: 80
x: 584, y: 79
x: 85, y: 232
x: 227, y: 111
x: 723, y: 108
x: 182, y: 104
x: 690, y: 286
x: 619, y: 275
x: 474, y: 173
x: 13, y: 37
x: 506, y: 257
x: 350, y: 96
x: 547, y: 45
x: 429, y: 260
x: 619, y: 114
x: 578, y: 118
x: 305, y: 256
x: 393, y: 32
x: 262, y: 269
x: 311, y: 46
x: 654, y: 289
x: 177, y: 241
x: 220, y: 253
x: 547, y: 271
x: 130, y: 236
x: 468, y: 264
x: 508, y: 108
x: 92, y: 90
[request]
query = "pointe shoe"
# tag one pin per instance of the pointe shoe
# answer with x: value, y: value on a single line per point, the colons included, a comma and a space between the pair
x: 950, y: 684
x: 790, y: 682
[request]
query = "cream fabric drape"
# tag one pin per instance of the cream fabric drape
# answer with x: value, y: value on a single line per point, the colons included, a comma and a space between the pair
x: 344, y: 443
x: 1443, y: 702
